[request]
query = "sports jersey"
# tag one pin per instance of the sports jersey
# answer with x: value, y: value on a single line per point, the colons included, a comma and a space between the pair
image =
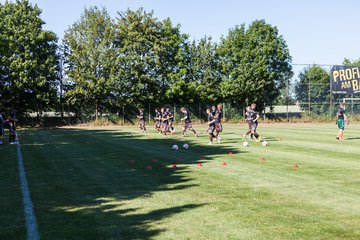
x: 157, y: 116
x: 170, y: 115
x: 211, y: 119
x: 340, y: 113
x: 187, y: 117
x: 164, y: 116
x: 141, y: 116
x: 252, y: 115
x: 218, y: 115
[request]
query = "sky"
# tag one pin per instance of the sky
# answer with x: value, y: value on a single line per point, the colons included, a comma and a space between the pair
x: 316, y: 31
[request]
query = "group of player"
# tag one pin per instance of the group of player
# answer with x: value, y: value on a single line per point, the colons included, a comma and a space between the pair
x: 164, y: 119
x: 11, y: 122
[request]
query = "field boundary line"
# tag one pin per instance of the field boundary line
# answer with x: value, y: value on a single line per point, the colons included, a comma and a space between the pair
x: 30, y: 219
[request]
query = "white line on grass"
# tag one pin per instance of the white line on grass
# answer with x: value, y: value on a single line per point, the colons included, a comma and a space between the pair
x: 30, y: 219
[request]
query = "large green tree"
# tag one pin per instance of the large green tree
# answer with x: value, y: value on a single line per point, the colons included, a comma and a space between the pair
x: 312, y: 89
x: 89, y: 56
x: 28, y: 60
x: 204, y: 70
x: 150, y: 59
x: 255, y: 63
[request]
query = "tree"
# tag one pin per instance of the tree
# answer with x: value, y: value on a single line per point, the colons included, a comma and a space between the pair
x: 90, y: 56
x: 150, y: 59
x: 28, y: 59
x: 255, y: 63
x: 312, y: 89
x: 204, y: 70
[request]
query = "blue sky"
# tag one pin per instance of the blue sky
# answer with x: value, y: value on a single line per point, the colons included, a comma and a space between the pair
x: 317, y: 31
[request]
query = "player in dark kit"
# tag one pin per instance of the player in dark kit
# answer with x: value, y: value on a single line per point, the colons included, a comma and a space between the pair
x: 218, y: 125
x: 187, y: 122
x: 248, y: 120
x: 171, y: 120
x: 157, y: 120
x: 341, y: 121
x: 253, y: 119
x: 164, y: 121
x: 141, y: 118
x: 2, y: 122
x: 211, y: 123
x: 12, y: 127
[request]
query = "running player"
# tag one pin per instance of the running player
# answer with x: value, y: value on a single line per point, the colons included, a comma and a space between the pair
x: 2, y: 133
x: 157, y: 120
x: 187, y: 122
x: 248, y: 120
x: 12, y: 127
x: 254, y: 116
x: 171, y: 120
x: 218, y: 125
x: 165, y: 122
x: 341, y: 120
x: 211, y: 123
x: 141, y: 118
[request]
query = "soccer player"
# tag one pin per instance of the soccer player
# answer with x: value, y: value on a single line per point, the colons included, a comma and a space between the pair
x: 211, y: 123
x: 218, y: 125
x: 341, y: 120
x: 12, y: 127
x: 165, y: 122
x: 248, y: 120
x: 157, y: 120
x: 171, y: 120
x: 141, y: 118
x: 187, y: 122
x: 2, y: 133
x: 254, y: 116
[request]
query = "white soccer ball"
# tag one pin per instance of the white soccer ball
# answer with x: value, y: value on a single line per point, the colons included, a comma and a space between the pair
x: 175, y: 147
x: 245, y: 144
x: 264, y: 143
x: 186, y: 146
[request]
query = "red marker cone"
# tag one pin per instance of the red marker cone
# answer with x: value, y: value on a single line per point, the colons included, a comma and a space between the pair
x: 230, y: 153
x: 224, y: 164
x: 131, y: 161
x: 296, y: 166
x: 154, y: 160
x: 262, y: 159
x: 200, y: 165
x: 174, y: 166
x: 149, y: 167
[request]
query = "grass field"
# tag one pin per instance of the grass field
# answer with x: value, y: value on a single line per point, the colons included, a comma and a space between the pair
x: 96, y: 184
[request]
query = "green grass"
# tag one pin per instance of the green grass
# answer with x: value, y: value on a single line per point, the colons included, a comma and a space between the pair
x: 84, y: 187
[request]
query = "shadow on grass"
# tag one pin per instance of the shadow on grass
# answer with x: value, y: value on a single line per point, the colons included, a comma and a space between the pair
x: 99, y: 184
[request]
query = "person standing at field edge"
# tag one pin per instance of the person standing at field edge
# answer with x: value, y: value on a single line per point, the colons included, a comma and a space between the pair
x: 341, y: 121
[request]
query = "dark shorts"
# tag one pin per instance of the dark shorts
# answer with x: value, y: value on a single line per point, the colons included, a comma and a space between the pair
x: 253, y: 126
x: 218, y: 127
x: 157, y: 124
x: 2, y: 131
x: 187, y: 125
x: 142, y: 122
x: 211, y: 130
